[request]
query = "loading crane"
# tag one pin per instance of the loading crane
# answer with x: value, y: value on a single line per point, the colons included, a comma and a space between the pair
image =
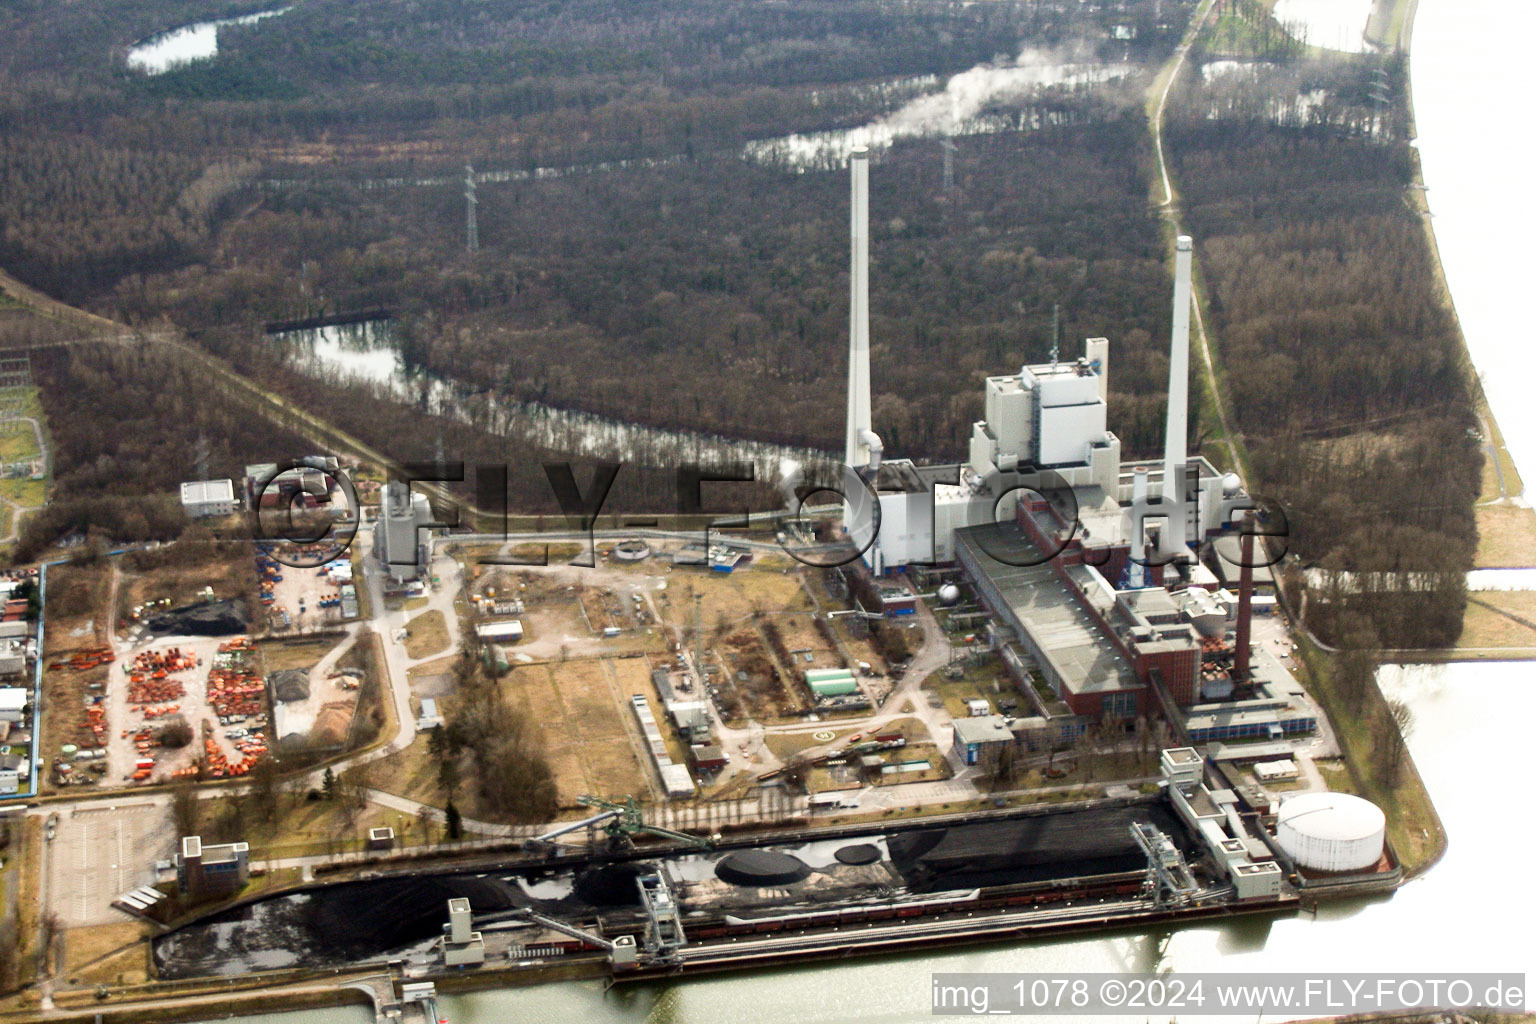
x: 625, y: 821
x: 1169, y: 881
x: 586, y: 823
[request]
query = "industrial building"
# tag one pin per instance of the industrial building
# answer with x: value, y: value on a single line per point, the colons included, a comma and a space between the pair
x: 213, y: 870
x: 461, y: 945
x: 13, y: 703
x: 399, y: 540
x: 675, y: 778
x: 508, y: 632
x: 1233, y: 843
x: 13, y: 768
x: 205, y: 498
x: 265, y: 486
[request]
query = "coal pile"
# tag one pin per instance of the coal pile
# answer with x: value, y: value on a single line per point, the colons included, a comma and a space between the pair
x: 289, y: 684
x: 213, y: 618
x: 761, y: 869
x: 858, y: 853
x: 612, y: 885
x: 374, y: 917
x: 1033, y: 849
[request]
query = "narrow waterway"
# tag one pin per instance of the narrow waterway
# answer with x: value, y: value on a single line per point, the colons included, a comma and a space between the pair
x: 1470, y: 737
x: 364, y: 353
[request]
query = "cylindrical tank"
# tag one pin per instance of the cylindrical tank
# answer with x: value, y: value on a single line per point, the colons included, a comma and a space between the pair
x: 949, y: 594
x: 1331, y: 831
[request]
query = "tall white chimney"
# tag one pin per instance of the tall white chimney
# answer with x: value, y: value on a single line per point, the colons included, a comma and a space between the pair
x: 863, y: 446
x: 1174, y: 452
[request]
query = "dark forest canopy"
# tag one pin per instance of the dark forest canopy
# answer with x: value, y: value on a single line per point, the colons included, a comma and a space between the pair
x: 1343, y: 363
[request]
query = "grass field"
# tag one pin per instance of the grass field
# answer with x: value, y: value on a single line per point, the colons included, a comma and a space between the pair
x: 585, y: 735
x: 28, y: 493
x: 988, y: 680
x: 1490, y: 620
x: 284, y: 655
x: 122, y: 945
x: 1506, y: 537
x: 426, y: 635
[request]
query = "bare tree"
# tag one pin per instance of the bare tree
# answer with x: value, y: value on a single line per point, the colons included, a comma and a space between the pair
x: 1393, y: 744
x: 186, y: 809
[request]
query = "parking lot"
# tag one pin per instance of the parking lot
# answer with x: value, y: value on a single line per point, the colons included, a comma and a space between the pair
x: 101, y: 852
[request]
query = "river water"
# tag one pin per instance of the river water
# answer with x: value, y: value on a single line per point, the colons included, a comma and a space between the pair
x: 1470, y: 736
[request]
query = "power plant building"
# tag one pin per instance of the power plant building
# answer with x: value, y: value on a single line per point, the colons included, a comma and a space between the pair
x: 398, y: 539
x: 1089, y: 564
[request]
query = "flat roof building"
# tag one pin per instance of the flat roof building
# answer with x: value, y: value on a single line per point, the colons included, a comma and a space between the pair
x: 212, y: 870
x: 509, y: 631
x: 203, y: 498
x: 977, y: 738
x: 1079, y: 662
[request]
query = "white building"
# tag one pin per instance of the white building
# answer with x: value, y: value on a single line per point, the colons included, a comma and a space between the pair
x: 13, y: 699
x: 203, y: 498
x: 508, y: 632
x: 1048, y: 417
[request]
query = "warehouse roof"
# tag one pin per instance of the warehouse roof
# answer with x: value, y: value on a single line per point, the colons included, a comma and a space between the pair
x: 199, y: 492
x: 982, y: 729
x: 1059, y: 629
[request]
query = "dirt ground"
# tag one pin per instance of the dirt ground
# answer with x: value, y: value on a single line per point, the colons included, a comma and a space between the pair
x: 333, y: 697
x: 178, y: 584
x: 580, y: 706
x: 297, y: 596
x: 767, y: 695
x: 77, y: 596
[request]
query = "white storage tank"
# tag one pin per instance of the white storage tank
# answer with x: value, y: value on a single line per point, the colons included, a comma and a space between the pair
x: 1331, y: 831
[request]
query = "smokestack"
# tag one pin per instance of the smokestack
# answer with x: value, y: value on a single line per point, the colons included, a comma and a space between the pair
x: 1244, y: 603
x: 863, y: 447
x: 1174, y: 453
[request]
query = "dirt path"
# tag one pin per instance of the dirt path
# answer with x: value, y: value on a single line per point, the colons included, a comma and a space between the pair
x: 1162, y: 85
